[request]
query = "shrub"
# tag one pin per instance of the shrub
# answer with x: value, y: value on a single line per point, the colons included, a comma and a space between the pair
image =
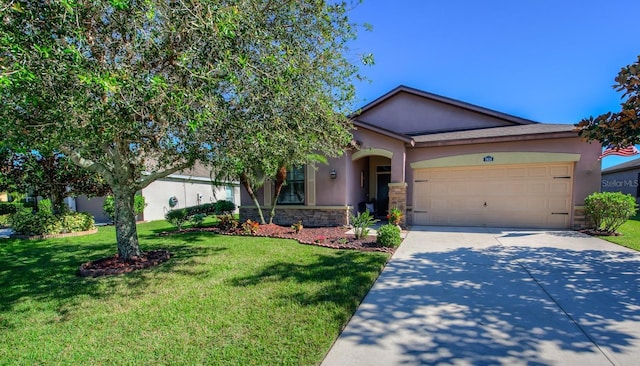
x: 45, y: 223
x: 39, y: 223
x: 8, y: 208
x: 297, y: 227
x: 77, y: 221
x: 110, y: 209
x: 395, y: 216
x: 45, y: 205
x: 362, y: 224
x: 227, y: 222
x: 250, y: 227
x: 607, y: 211
x: 4, y: 220
x: 225, y: 207
x: 389, y: 236
x: 197, y: 220
x: 177, y: 217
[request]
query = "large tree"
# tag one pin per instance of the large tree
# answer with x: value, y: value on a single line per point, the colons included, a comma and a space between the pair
x: 136, y: 90
x: 621, y: 129
x: 48, y: 174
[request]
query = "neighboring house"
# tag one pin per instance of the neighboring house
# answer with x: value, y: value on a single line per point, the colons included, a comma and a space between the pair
x: 444, y: 162
x: 189, y: 188
x: 623, y: 178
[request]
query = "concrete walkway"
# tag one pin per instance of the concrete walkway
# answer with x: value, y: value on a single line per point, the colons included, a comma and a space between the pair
x: 474, y: 296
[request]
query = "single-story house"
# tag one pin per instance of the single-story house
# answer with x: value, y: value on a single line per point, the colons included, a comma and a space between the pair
x: 623, y: 178
x: 444, y: 162
x: 182, y: 189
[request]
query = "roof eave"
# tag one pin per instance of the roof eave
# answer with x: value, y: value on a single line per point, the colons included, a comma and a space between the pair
x: 486, y: 140
x: 404, y: 138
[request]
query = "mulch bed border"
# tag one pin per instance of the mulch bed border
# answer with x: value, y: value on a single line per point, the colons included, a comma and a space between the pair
x: 53, y: 236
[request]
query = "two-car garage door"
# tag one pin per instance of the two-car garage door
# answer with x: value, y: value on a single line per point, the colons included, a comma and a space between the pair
x: 525, y: 195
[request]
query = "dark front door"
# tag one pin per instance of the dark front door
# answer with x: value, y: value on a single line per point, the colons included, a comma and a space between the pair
x: 382, y: 194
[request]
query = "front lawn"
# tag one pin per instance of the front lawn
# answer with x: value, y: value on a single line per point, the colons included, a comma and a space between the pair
x: 223, y: 300
x: 630, y: 237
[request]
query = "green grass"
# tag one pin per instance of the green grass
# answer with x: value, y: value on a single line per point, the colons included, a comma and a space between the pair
x: 224, y: 300
x: 630, y: 231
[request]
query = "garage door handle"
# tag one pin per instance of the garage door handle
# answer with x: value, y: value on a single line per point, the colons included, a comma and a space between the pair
x: 420, y: 211
x: 559, y: 213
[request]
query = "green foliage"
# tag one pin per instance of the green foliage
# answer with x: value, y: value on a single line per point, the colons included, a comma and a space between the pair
x: 197, y: 220
x: 109, y: 205
x: 224, y: 207
x: 389, y: 236
x: 135, y: 91
x: 77, y: 221
x: 4, y: 220
x: 7, y: 208
x: 607, y: 211
x: 45, y: 206
x: 197, y: 214
x: 362, y: 224
x: 395, y: 216
x: 177, y: 217
x: 227, y: 222
x: 46, y: 223
x: 619, y: 129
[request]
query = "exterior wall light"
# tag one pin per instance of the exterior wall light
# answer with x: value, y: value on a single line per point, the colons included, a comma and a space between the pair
x: 333, y: 173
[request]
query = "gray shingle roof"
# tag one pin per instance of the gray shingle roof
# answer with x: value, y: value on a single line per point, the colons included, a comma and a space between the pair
x: 629, y: 165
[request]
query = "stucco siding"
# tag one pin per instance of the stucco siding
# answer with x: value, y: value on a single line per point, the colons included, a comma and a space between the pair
x: 586, y: 171
x: 157, y: 196
x: 411, y: 114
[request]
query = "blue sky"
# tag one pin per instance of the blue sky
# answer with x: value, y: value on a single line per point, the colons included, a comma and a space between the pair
x: 548, y: 61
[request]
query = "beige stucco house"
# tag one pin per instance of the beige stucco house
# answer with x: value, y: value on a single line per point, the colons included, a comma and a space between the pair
x: 445, y: 162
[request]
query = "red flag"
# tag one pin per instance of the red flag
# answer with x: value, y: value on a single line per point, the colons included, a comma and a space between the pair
x: 627, y: 151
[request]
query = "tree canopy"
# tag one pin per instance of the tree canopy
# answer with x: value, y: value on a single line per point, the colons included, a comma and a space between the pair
x: 137, y: 90
x: 621, y: 129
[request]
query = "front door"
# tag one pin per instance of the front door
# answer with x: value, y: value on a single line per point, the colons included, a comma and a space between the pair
x: 382, y: 190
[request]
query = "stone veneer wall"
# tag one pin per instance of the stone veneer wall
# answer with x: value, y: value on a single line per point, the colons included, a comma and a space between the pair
x: 310, y: 216
x: 398, y: 199
x: 579, y: 218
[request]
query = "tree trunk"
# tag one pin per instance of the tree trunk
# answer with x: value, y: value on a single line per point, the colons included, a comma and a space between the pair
x: 281, y: 178
x: 244, y: 180
x: 125, y: 221
x: 57, y: 200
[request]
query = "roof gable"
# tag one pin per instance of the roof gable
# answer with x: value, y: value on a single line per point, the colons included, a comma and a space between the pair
x: 410, y: 111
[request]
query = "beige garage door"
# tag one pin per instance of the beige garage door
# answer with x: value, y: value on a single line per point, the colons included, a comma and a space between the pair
x: 531, y: 196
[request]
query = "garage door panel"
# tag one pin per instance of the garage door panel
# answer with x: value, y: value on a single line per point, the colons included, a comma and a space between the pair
x: 534, y: 195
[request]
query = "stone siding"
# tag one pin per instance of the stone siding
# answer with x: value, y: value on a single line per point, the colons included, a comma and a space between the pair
x: 311, y: 217
x: 398, y: 199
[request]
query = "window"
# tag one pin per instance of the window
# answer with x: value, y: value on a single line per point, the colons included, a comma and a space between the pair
x: 292, y: 192
x: 229, y: 194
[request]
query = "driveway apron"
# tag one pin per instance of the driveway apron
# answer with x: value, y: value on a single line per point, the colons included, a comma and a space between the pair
x: 490, y: 296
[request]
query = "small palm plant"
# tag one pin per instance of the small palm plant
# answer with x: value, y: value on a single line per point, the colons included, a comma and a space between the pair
x: 362, y: 224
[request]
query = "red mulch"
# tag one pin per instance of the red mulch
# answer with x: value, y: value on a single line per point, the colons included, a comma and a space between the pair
x: 329, y: 237
x: 114, y: 265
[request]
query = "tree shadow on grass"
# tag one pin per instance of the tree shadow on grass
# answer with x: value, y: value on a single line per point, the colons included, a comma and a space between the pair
x: 503, y: 305
x: 45, y: 271
x: 344, y: 278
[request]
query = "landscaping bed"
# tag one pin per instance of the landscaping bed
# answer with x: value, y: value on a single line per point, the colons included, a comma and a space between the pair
x: 328, y: 237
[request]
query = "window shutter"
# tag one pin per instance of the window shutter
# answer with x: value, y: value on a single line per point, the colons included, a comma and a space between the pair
x: 311, y: 185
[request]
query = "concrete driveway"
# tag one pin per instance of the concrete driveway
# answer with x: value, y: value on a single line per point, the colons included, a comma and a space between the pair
x: 477, y: 296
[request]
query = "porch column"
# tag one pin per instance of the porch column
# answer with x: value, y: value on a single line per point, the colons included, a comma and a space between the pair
x: 398, y: 199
